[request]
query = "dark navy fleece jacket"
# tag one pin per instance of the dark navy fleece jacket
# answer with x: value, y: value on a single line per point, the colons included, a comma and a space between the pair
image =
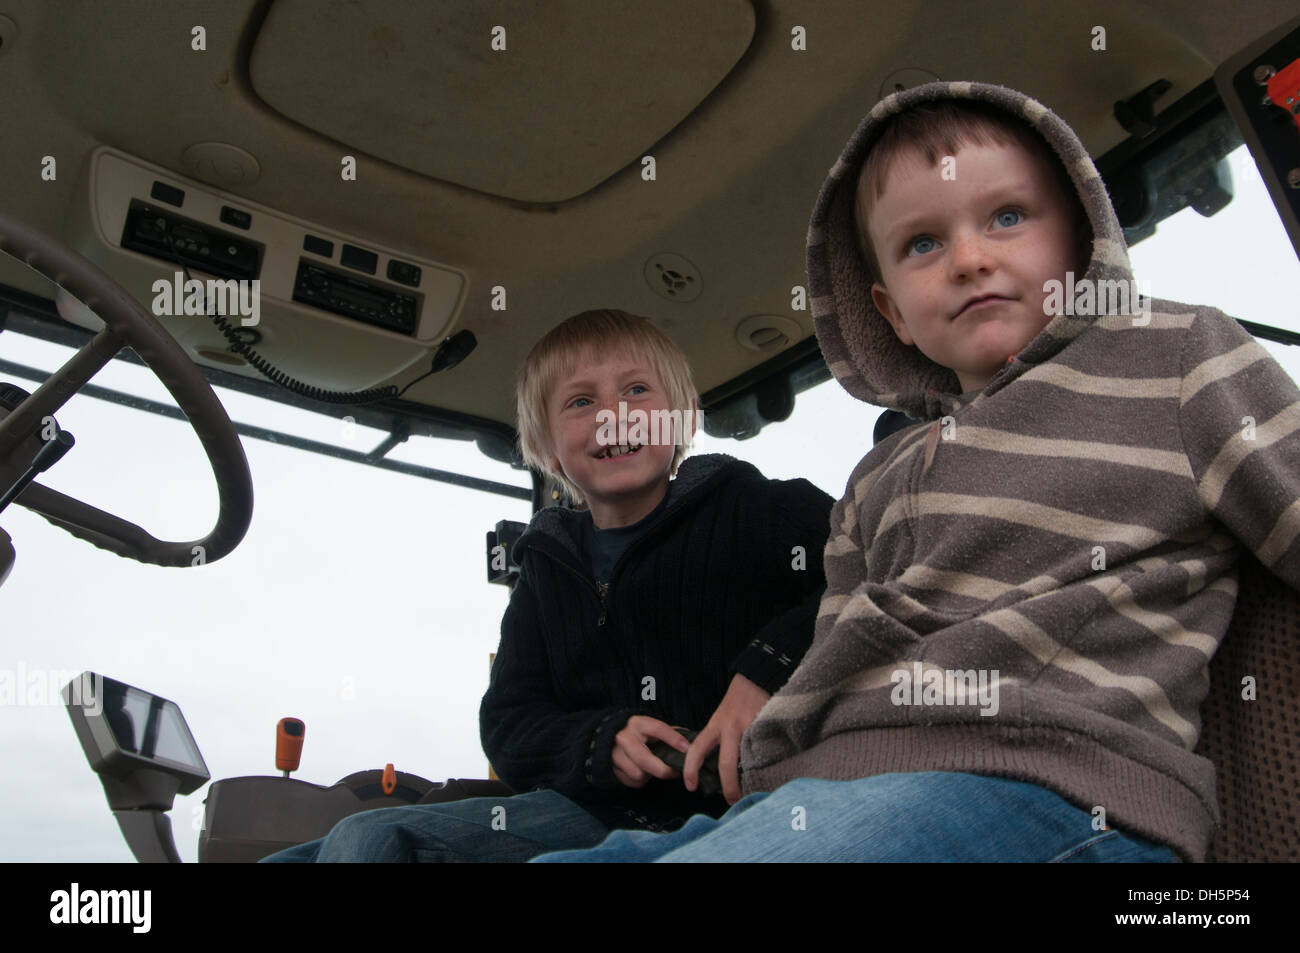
x: 727, y: 579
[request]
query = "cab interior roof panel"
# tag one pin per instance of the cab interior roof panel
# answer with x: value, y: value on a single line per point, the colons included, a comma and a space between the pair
x: 527, y: 101
x: 742, y: 141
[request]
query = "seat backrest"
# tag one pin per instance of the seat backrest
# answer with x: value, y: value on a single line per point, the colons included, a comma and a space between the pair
x: 1255, y: 744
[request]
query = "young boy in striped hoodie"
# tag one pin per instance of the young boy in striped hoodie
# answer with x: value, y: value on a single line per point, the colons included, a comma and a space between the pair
x: 1025, y: 590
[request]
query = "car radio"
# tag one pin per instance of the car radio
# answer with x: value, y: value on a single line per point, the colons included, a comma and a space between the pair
x: 355, y: 298
x: 161, y: 233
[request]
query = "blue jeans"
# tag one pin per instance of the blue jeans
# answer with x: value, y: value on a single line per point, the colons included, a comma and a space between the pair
x: 927, y: 816
x: 480, y: 829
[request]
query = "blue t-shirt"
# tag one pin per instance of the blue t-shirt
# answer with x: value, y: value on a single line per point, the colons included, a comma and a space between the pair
x: 602, y: 547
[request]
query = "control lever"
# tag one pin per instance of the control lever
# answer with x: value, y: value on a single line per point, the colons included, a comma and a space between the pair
x: 51, y: 452
x: 289, y: 734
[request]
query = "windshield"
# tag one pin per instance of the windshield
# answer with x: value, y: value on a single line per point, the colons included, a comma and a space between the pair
x: 358, y: 601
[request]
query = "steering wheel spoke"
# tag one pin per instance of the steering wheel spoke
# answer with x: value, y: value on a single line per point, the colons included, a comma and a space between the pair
x: 57, y: 389
x: 88, y: 522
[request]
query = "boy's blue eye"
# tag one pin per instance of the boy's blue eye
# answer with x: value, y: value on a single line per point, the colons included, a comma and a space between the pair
x: 577, y: 401
x: 1008, y: 217
x: 922, y: 245
x: 639, y: 388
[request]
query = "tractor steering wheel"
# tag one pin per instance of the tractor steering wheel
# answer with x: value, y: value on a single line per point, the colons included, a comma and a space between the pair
x: 128, y: 324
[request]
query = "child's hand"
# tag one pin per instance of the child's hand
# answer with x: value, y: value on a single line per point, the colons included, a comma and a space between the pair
x: 634, y: 765
x: 739, y: 707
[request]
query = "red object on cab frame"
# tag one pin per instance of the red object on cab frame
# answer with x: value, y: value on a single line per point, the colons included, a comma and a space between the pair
x: 1284, y: 90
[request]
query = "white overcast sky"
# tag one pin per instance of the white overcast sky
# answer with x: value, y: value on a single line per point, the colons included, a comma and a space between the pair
x: 358, y: 601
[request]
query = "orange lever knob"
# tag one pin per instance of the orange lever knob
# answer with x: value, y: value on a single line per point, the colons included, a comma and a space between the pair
x: 289, y: 733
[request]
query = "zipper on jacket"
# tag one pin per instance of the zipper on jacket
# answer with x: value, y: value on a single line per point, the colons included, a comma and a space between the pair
x: 673, y: 513
x: 931, y: 445
x: 600, y: 588
x: 935, y: 436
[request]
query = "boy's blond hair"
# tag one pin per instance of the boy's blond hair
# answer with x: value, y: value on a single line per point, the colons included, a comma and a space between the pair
x: 938, y: 129
x: 604, y: 333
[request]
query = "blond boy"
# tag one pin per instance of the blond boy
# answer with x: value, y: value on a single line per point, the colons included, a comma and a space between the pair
x: 658, y: 603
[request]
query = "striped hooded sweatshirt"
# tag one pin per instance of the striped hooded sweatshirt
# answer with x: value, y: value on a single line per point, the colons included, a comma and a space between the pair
x: 1031, y: 584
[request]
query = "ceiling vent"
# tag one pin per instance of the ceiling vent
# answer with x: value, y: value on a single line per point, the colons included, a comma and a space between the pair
x: 673, y: 277
x: 768, y: 333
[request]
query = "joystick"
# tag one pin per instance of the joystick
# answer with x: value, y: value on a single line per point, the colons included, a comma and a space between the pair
x: 289, y: 734
x: 710, y: 783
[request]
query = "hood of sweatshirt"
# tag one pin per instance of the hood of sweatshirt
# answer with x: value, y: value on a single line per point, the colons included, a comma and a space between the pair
x: 857, y: 341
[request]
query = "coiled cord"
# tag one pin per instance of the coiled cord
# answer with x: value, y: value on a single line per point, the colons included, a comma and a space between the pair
x: 444, y: 358
x: 291, y: 383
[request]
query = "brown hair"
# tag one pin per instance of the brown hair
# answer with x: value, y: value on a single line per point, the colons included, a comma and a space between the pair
x: 606, y: 333
x: 938, y: 129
